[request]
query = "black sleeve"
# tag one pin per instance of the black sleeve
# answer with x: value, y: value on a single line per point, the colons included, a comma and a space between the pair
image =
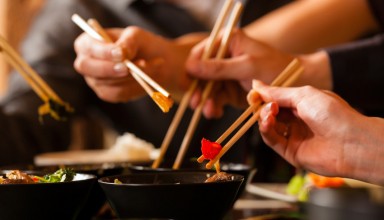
x: 358, y: 73
x: 377, y: 8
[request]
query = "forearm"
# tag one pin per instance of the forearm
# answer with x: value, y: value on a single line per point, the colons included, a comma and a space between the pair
x: 317, y: 71
x: 365, y: 152
x: 304, y: 26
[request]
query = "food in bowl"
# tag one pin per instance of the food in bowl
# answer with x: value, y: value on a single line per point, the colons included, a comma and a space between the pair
x: 192, y: 166
x: 19, y: 177
x: 219, y: 177
x: 174, y: 195
x: 46, y: 200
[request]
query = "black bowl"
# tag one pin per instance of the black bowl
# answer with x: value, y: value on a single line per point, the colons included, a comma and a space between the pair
x: 173, y: 195
x: 62, y: 200
x: 345, y: 203
x: 96, y: 198
x: 190, y: 166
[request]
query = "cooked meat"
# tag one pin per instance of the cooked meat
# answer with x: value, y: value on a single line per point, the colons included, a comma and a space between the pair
x: 219, y: 177
x: 17, y: 177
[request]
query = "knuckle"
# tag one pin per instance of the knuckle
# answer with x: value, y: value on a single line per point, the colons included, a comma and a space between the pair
x: 79, y: 64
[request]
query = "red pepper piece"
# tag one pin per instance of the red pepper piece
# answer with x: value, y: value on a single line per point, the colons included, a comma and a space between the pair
x: 210, y: 149
x: 35, y: 179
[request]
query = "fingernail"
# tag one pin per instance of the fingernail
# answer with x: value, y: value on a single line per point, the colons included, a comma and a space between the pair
x: 117, y: 54
x: 264, y: 121
x: 120, y: 69
x: 268, y: 107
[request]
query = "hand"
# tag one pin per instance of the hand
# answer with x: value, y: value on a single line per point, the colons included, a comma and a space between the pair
x: 101, y: 63
x: 319, y: 131
x: 248, y: 59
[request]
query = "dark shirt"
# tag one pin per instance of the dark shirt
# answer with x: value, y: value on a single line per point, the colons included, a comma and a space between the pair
x: 358, y: 69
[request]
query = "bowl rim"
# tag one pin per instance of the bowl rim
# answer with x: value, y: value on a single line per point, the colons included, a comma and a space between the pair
x: 238, y: 178
x: 227, y: 165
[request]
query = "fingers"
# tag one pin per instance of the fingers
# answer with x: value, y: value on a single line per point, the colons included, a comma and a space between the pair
x: 137, y: 42
x: 87, y: 46
x: 91, y: 67
x: 237, y: 68
x: 284, y: 97
x: 223, y: 93
x: 213, y: 107
x: 115, y: 90
x: 274, y: 133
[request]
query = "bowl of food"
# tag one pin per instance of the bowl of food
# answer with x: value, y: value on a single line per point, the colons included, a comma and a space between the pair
x: 96, y: 199
x: 38, y: 195
x: 193, y: 166
x: 171, y: 195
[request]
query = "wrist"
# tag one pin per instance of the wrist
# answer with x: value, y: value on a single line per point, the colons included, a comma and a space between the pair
x: 317, y: 70
x: 364, y: 152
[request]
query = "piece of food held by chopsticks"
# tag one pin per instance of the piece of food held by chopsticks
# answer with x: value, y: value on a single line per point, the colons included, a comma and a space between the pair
x: 284, y: 79
x: 161, y: 97
x: 53, y: 104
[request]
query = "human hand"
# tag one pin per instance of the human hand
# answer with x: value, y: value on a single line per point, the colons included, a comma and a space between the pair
x: 248, y: 59
x: 312, y: 129
x: 102, y: 63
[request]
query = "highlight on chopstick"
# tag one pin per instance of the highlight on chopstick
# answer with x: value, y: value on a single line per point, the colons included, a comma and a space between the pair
x: 161, y: 97
x: 286, y: 78
x: 53, y: 104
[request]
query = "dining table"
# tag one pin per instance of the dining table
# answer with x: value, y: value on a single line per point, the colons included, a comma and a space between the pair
x: 253, y: 207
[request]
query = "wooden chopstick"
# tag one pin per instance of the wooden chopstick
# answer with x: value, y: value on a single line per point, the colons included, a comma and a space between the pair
x: 34, y: 80
x: 207, y: 90
x: 187, y: 96
x: 285, y: 79
x: 95, y: 30
x: 53, y: 104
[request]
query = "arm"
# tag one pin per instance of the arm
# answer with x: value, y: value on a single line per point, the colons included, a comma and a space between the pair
x: 304, y: 26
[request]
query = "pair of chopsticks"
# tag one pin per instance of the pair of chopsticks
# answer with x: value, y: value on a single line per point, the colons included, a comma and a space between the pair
x: 284, y: 79
x: 231, y: 22
x: 53, y: 104
x: 161, y: 97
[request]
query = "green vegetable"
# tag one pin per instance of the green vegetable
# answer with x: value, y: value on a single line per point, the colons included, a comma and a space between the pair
x: 296, y: 184
x: 117, y: 181
x: 61, y: 175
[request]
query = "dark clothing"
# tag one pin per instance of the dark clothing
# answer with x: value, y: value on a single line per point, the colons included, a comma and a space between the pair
x: 358, y: 74
x: 358, y: 69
